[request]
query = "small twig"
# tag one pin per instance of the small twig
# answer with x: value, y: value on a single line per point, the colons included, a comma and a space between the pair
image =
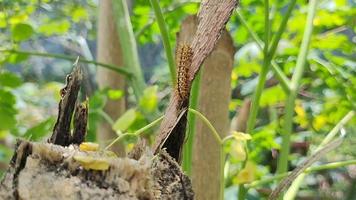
x: 286, y: 182
x: 120, y: 70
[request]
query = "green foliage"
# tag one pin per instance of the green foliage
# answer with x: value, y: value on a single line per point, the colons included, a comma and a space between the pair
x: 125, y: 121
x: 28, y: 104
x: 40, y: 130
x: 8, y: 110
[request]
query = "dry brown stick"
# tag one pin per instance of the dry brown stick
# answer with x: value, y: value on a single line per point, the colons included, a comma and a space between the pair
x: 287, y: 181
x: 61, y: 132
x: 212, y: 17
x: 80, y: 123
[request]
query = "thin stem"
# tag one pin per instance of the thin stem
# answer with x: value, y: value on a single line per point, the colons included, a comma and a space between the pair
x: 282, y: 78
x: 136, y: 133
x: 262, y: 78
x: 115, y: 68
x: 336, y: 129
x: 290, y: 103
x: 105, y: 116
x: 165, y: 38
x: 221, y: 144
x: 128, y: 44
x: 293, y: 189
x: 257, y: 94
x: 207, y: 122
x: 328, y: 166
x: 188, y: 147
x: 148, y: 126
x: 164, y: 12
x: 281, y: 29
x: 222, y: 170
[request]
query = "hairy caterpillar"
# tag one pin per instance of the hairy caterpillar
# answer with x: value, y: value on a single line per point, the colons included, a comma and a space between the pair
x: 184, y: 56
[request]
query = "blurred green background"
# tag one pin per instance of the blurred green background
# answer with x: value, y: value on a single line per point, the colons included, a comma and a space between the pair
x: 30, y: 84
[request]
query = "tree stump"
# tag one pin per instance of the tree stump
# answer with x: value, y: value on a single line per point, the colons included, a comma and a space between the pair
x: 62, y: 169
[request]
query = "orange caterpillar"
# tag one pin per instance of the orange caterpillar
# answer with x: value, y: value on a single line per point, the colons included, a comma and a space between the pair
x: 184, y: 56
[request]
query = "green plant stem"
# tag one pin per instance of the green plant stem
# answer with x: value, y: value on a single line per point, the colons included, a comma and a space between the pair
x: 207, y: 122
x: 165, y: 38
x: 136, y: 133
x: 120, y: 70
x: 257, y: 94
x: 290, y: 103
x: 336, y: 129
x: 128, y: 45
x: 222, y: 171
x: 328, y: 166
x: 107, y: 118
x: 282, y: 78
x: 293, y: 189
x: 165, y: 12
x: 188, y: 147
x: 221, y: 144
x: 275, y: 41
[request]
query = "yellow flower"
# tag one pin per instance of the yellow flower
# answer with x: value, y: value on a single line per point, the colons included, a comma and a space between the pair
x: 89, y: 146
x: 319, y: 121
x: 238, y: 150
x: 301, y: 117
x: 240, y: 136
x: 248, y: 174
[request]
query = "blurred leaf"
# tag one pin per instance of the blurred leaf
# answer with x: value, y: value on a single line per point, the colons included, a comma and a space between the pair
x: 131, y: 138
x: 7, y: 110
x: 5, y: 153
x: 97, y: 101
x: 55, y: 27
x: 272, y: 96
x: 149, y: 100
x: 3, y: 22
x: 16, y: 58
x: 9, y: 79
x: 18, y: 18
x: 22, y: 31
x: 125, y: 121
x: 40, y: 130
x: 115, y: 94
x: 79, y: 14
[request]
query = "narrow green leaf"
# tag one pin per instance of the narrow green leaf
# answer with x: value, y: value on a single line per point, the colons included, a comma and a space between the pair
x: 125, y: 121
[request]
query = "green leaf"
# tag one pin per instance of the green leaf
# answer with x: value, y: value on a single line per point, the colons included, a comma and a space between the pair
x: 97, y: 101
x: 3, y: 22
x: 79, y: 14
x: 40, y: 130
x: 115, y: 94
x: 125, y: 121
x: 149, y: 100
x: 16, y: 58
x: 9, y: 79
x: 54, y: 27
x: 272, y: 96
x: 22, y: 31
x: 7, y: 110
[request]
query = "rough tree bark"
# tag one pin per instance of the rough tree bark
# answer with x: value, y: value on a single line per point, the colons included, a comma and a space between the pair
x: 109, y: 51
x: 212, y: 18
